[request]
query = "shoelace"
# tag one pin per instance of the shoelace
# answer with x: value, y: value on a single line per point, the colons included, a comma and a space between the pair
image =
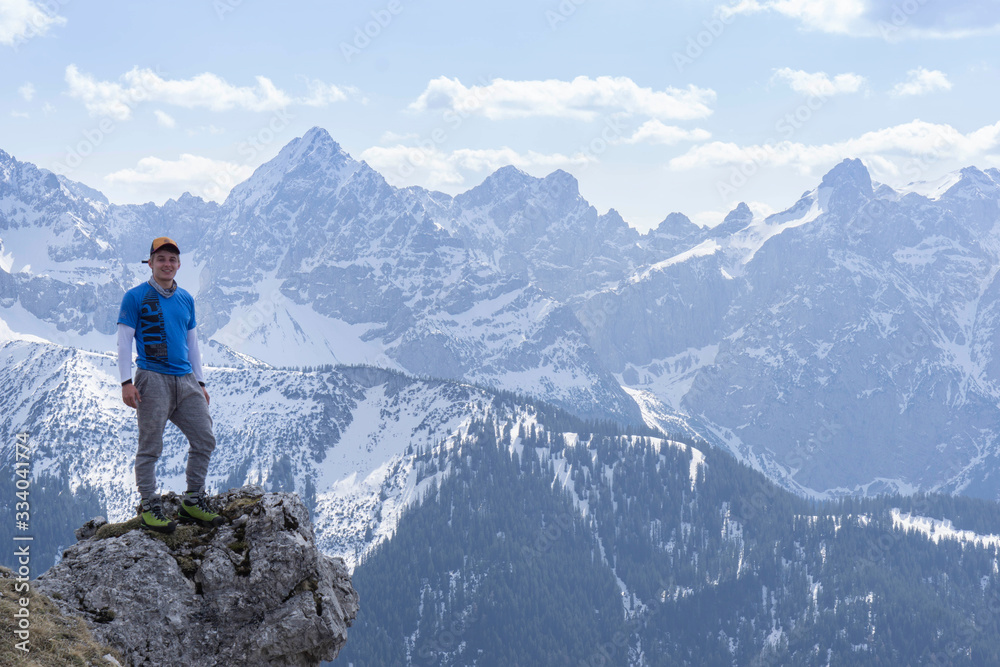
x: 156, y: 509
x: 198, y: 500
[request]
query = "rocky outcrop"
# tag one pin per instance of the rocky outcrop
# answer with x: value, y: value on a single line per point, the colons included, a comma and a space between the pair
x: 254, y: 591
x: 51, y: 637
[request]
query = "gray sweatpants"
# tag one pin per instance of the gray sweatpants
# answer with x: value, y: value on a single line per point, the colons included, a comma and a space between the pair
x: 178, y: 398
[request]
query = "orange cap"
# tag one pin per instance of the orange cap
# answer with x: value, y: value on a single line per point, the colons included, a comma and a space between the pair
x: 164, y: 242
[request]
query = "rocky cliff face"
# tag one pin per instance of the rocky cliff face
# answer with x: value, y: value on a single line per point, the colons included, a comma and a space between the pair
x: 255, y: 591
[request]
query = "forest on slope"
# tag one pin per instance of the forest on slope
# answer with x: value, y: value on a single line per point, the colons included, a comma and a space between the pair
x: 566, y: 544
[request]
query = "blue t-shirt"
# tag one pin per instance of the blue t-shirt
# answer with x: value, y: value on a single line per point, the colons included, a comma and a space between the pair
x: 161, y: 325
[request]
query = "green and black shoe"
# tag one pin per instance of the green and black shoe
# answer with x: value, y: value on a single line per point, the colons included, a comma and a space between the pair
x: 195, y: 509
x: 152, y: 517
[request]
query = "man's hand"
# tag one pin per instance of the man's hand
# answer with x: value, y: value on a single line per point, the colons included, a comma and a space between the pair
x: 130, y: 396
x: 205, y: 391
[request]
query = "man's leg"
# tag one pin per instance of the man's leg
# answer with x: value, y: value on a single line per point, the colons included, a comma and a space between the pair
x: 192, y: 418
x: 155, y: 405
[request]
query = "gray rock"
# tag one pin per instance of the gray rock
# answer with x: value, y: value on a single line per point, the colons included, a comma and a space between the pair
x: 255, y: 591
x: 90, y: 528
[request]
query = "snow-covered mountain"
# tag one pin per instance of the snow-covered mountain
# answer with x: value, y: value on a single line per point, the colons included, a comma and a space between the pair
x: 343, y: 438
x: 313, y: 260
x: 846, y: 344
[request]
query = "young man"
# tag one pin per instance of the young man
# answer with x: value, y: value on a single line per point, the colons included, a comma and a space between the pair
x: 168, y: 384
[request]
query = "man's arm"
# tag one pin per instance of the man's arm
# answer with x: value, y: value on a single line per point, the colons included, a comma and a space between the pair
x: 130, y: 395
x: 194, y: 356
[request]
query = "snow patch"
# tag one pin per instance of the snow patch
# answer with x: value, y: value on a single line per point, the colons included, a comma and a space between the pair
x: 933, y: 189
x: 703, y: 249
x: 941, y: 529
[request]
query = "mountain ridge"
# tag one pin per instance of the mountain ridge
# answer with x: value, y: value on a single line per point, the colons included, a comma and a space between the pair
x: 830, y: 308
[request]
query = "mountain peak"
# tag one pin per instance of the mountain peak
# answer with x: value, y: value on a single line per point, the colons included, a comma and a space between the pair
x: 977, y: 178
x: 675, y: 225
x: 314, y: 157
x: 675, y: 219
x: 612, y: 220
x: 498, y: 185
x: 673, y: 232
x: 972, y: 184
x: 845, y: 188
x: 83, y: 191
x: 736, y: 220
x: 850, y: 173
x: 741, y: 213
x: 318, y: 136
x: 318, y: 143
x: 509, y: 176
x: 561, y: 186
x: 562, y: 179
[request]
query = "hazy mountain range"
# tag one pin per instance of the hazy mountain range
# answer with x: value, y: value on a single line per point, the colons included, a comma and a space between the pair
x: 844, y: 345
x: 485, y: 400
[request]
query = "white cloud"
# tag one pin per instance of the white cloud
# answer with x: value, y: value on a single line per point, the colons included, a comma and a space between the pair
x: 655, y: 132
x: 921, y: 81
x: 108, y: 98
x: 164, y: 119
x: 403, y: 165
x: 837, y: 16
x: 20, y: 114
x: 27, y: 92
x: 209, y: 91
x: 155, y: 179
x: 323, y: 94
x: 887, y: 149
x: 886, y: 19
x: 582, y: 98
x: 20, y: 20
x: 819, y: 84
x: 100, y: 98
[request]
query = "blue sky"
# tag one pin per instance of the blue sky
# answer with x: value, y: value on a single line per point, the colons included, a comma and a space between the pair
x: 689, y: 106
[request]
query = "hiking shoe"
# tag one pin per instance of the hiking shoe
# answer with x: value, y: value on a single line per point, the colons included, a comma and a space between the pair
x: 195, y: 509
x: 152, y: 517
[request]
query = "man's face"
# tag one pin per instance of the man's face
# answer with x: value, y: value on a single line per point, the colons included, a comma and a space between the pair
x: 164, y: 265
